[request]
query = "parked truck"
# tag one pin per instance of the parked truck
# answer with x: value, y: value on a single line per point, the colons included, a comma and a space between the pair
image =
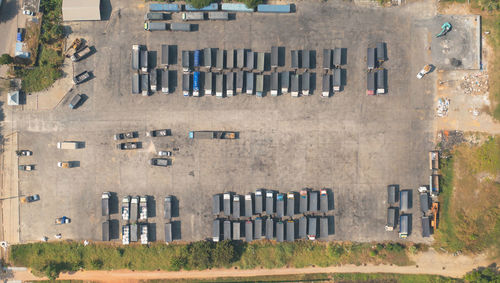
x: 230, y: 59
x: 219, y: 85
x: 168, y: 233
x: 155, y: 26
x: 153, y: 80
x: 326, y: 85
x: 327, y: 59
x: 126, y: 234
x: 165, y: 55
x: 219, y: 62
x: 323, y: 200
x: 230, y: 84
x: 381, y: 81
x: 105, y: 203
x: 227, y: 203
x: 216, y: 204
x: 240, y: 78
x: 370, y: 58
x: 207, y: 58
x: 295, y: 59
x: 216, y: 230
x: 134, y: 232
x: 193, y: 16
x: 274, y: 83
x: 136, y: 49
x: 249, y: 82
x: 80, y: 54
x: 259, y: 85
x: 227, y: 234
x: 250, y: 63
x: 164, y: 81
x: 306, y: 59
x: 303, y: 201
x: 285, y: 81
x: 404, y: 226
x: 269, y: 202
x: 68, y: 145
x: 259, y: 201
x: 185, y: 61
x: 154, y: 17
x: 391, y: 219
x: 302, y: 233
x: 126, y: 208
x: 434, y: 184
x: 337, y: 57
x: 185, y: 84
x: 144, y: 233
x: 370, y: 83
x: 134, y: 209
x: 157, y: 7
x: 434, y: 160
x: 248, y: 205
x: 167, y: 207
x: 274, y: 57
x: 208, y: 83
x: 136, y: 83
x: 196, y: 84
x: 236, y: 206
x: 290, y: 204
x: 280, y: 205
x: 240, y: 59
x: 180, y: 27
x: 260, y: 61
x: 212, y: 135
x: 294, y: 85
x: 196, y: 58
x: 105, y: 231
x: 305, y: 83
x: 337, y: 79
x: 145, y: 84
x: 144, y: 60
x: 218, y: 16
x: 143, y: 206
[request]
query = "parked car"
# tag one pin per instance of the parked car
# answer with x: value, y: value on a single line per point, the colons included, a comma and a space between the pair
x: 129, y: 135
x: 164, y: 153
x: 159, y: 162
x: 158, y: 133
x: 26, y: 167
x: 74, y: 101
x: 82, y: 77
x: 62, y: 220
x: 27, y: 12
x: 30, y: 198
x: 128, y: 145
x: 24, y: 152
x: 65, y: 164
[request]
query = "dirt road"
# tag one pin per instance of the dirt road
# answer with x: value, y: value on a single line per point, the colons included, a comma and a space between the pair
x: 429, y: 262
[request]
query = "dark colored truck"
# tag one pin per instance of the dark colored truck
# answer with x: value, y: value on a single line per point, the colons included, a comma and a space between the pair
x: 337, y: 79
x: 391, y: 219
x: 381, y: 81
x: 306, y: 83
x: 323, y: 200
x: 337, y: 57
x: 424, y: 202
x: 370, y: 58
x: 306, y: 59
x: 153, y: 80
x: 404, y: 200
x: 250, y: 82
x: 81, y: 77
x: 80, y: 54
x: 381, y: 52
x: 426, y: 229
x: 75, y: 101
x: 185, y: 61
x: 155, y: 26
x: 250, y: 64
x: 145, y: 84
x: 302, y: 227
x: 269, y: 228
x: 144, y: 60
x: 154, y: 17
x: 392, y: 192
x: 186, y: 84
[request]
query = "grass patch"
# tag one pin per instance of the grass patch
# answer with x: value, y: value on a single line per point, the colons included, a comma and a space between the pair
x: 470, y: 215
x: 52, y: 258
x: 491, y: 23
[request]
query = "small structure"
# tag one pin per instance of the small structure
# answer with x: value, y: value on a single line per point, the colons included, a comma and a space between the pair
x: 77, y: 10
x: 13, y: 98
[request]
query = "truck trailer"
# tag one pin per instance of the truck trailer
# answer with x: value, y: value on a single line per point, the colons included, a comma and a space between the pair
x: 337, y: 57
x: 259, y: 85
x: 313, y: 201
x: 165, y: 55
x: 157, y: 7
x: 240, y: 58
x: 269, y: 228
x: 305, y: 83
x: 404, y: 220
x: 326, y: 85
x: 196, y: 83
x: 269, y: 202
x: 240, y: 79
x: 249, y: 80
x: 145, y: 84
x: 197, y: 54
x: 261, y: 61
x: 381, y: 81
x: 230, y: 84
x: 391, y: 219
x: 219, y: 85
x: 323, y: 228
x: 312, y: 228
x: 216, y: 230
x: 230, y: 59
x: 164, y: 81
x: 105, y: 203
x: 370, y: 83
x: 248, y: 205
x: 294, y: 84
x: 302, y: 228
x: 280, y: 232
x: 154, y: 16
x: 290, y: 204
x: 249, y: 231
x: 250, y: 62
x: 126, y: 208
x: 168, y: 233
x: 337, y: 79
x: 236, y: 230
x: 153, y: 80
x: 290, y: 230
x: 280, y: 205
x: 207, y: 58
x: 167, y: 208
x: 267, y: 8
x: 185, y: 61
x: 218, y: 16
x: 227, y: 203
x: 219, y: 62
x: 180, y: 27
x: 370, y: 58
x: 143, y: 208
x: 237, y: 206
x: 303, y: 201
x: 392, y: 192
x: 136, y: 49
x: 274, y: 57
x: 208, y: 83
x: 227, y: 235
x: 136, y: 84
x: 295, y: 59
x: 306, y: 59
x: 404, y: 200
x: 155, y: 26
x: 193, y: 16
x: 259, y: 202
x: 257, y: 228
x: 274, y: 83
x: 186, y: 79
x: 285, y: 81
x: 216, y: 204
x: 327, y: 59
x: 105, y: 231
x: 134, y: 209
x: 144, y: 60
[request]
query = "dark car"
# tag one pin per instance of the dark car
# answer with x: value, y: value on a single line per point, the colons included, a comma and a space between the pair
x: 129, y: 135
x: 128, y: 145
x: 74, y: 101
x: 24, y: 152
x: 158, y: 133
x: 82, y: 77
x: 160, y: 162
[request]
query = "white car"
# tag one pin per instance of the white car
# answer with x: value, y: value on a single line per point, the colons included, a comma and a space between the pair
x: 28, y: 12
x: 164, y: 153
x: 424, y: 71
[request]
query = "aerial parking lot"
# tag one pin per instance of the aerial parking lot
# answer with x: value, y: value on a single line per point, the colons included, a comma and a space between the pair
x: 351, y: 143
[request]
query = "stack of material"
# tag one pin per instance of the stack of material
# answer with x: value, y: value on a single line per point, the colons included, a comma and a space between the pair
x: 475, y: 84
x: 443, y: 106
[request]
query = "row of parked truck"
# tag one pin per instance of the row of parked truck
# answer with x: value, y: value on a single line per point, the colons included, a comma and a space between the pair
x: 268, y: 228
x: 271, y: 203
x: 212, y: 7
x: 376, y: 78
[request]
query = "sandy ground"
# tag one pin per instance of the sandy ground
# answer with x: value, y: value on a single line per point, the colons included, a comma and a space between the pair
x: 429, y: 262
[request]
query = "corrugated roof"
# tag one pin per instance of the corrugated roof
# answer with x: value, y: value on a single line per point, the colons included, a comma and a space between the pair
x: 77, y: 10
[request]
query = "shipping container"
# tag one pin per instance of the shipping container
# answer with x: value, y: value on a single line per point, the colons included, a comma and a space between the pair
x: 280, y: 232
x: 208, y: 83
x: 249, y: 231
x: 274, y: 83
x: 257, y: 228
x: 248, y: 205
x: 250, y: 64
x: 295, y: 59
x: 186, y: 83
x: 259, y: 202
x: 240, y: 79
x: 327, y: 59
x: 164, y: 81
x: 230, y: 84
x: 392, y: 192
x: 230, y: 59
x: 337, y: 57
x: 185, y: 61
x: 210, y: 7
x: 290, y: 204
x: 381, y: 52
x: 219, y: 63
x: 216, y: 230
x: 370, y: 83
x: 180, y: 27
x: 165, y: 52
x: 136, y: 50
x: 266, y: 8
x: 207, y: 57
x: 326, y: 85
x: 219, y: 85
x: 235, y: 7
x: 305, y: 83
x: 313, y: 201
x: 312, y: 228
x: 323, y: 228
x: 145, y: 84
x: 168, y: 232
x: 391, y: 219
x: 337, y: 79
x: 269, y: 228
x: 285, y: 82
x: 236, y: 206
x: 218, y: 16
x: 302, y: 228
x: 227, y: 203
x: 249, y: 81
x: 424, y: 202
x: 153, y: 80
x: 294, y: 83
x: 404, y: 222
x: 304, y: 194
x: 259, y: 85
x: 216, y: 204
x: 227, y: 230
x: 260, y: 61
x: 426, y: 229
x: 290, y: 231
x: 381, y: 81
x: 136, y: 86
x: 280, y: 205
x: 236, y: 230
x: 370, y: 58
x: 240, y: 58
x: 306, y: 59
x: 274, y: 56
x: 164, y: 7
x: 404, y: 200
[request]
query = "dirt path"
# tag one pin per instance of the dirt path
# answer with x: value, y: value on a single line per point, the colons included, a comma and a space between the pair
x: 429, y: 262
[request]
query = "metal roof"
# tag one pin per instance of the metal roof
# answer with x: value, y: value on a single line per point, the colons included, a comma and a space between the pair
x: 77, y: 10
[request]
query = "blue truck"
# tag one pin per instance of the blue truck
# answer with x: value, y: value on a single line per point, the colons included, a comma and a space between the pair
x: 196, y: 58
x: 265, y: 8
x: 211, y: 7
x: 157, y: 7
x: 196, y: 85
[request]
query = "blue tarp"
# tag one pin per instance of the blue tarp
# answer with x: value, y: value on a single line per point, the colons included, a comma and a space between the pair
x: 211, y: 7
x: 264, y: 8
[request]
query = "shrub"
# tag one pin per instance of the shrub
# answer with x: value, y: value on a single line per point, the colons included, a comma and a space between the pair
x: 200, y: 255
x: 199, y: 3
x: 6, y: 59
x: 223, y: 253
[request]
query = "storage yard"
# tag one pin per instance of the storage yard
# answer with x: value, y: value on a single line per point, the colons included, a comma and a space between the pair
x: 350, y: 143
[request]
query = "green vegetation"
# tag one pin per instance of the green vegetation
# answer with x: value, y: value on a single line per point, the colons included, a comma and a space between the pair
x: 491, y: 23
x: 47, y: 67
x: 483, y: 275
x: 6, y: 59
x: 52, y: 258
x: 470, y: 216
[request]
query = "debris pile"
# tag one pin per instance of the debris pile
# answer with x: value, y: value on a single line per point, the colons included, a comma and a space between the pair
x: 475, y: 84
x: 443, y: 106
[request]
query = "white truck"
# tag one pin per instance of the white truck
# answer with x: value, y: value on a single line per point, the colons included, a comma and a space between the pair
x: 68, y: 145
x: 126, y: 208
x: 143, y: 208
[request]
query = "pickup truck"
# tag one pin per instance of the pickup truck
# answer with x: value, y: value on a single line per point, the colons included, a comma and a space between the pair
x: 80, y: 54
x: 26, y: 167
x: 62, y: 220
x: 128, y: 145
x: 158, y: 133
x: 82, y: 77
x: 74, y: 101
x: 160, y: 162
x: 65, y: 164
x: 129, y: 135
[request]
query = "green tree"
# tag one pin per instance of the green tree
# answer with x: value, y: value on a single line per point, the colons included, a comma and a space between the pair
x: 199, y: 3
x: 51, y: 270
x: 223, y: 253
x: 483, y: 275
x: 6, y: 59
x: 200, y: 255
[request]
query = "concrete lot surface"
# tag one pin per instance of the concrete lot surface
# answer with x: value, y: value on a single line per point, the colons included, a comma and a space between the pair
x: 351, y: 143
